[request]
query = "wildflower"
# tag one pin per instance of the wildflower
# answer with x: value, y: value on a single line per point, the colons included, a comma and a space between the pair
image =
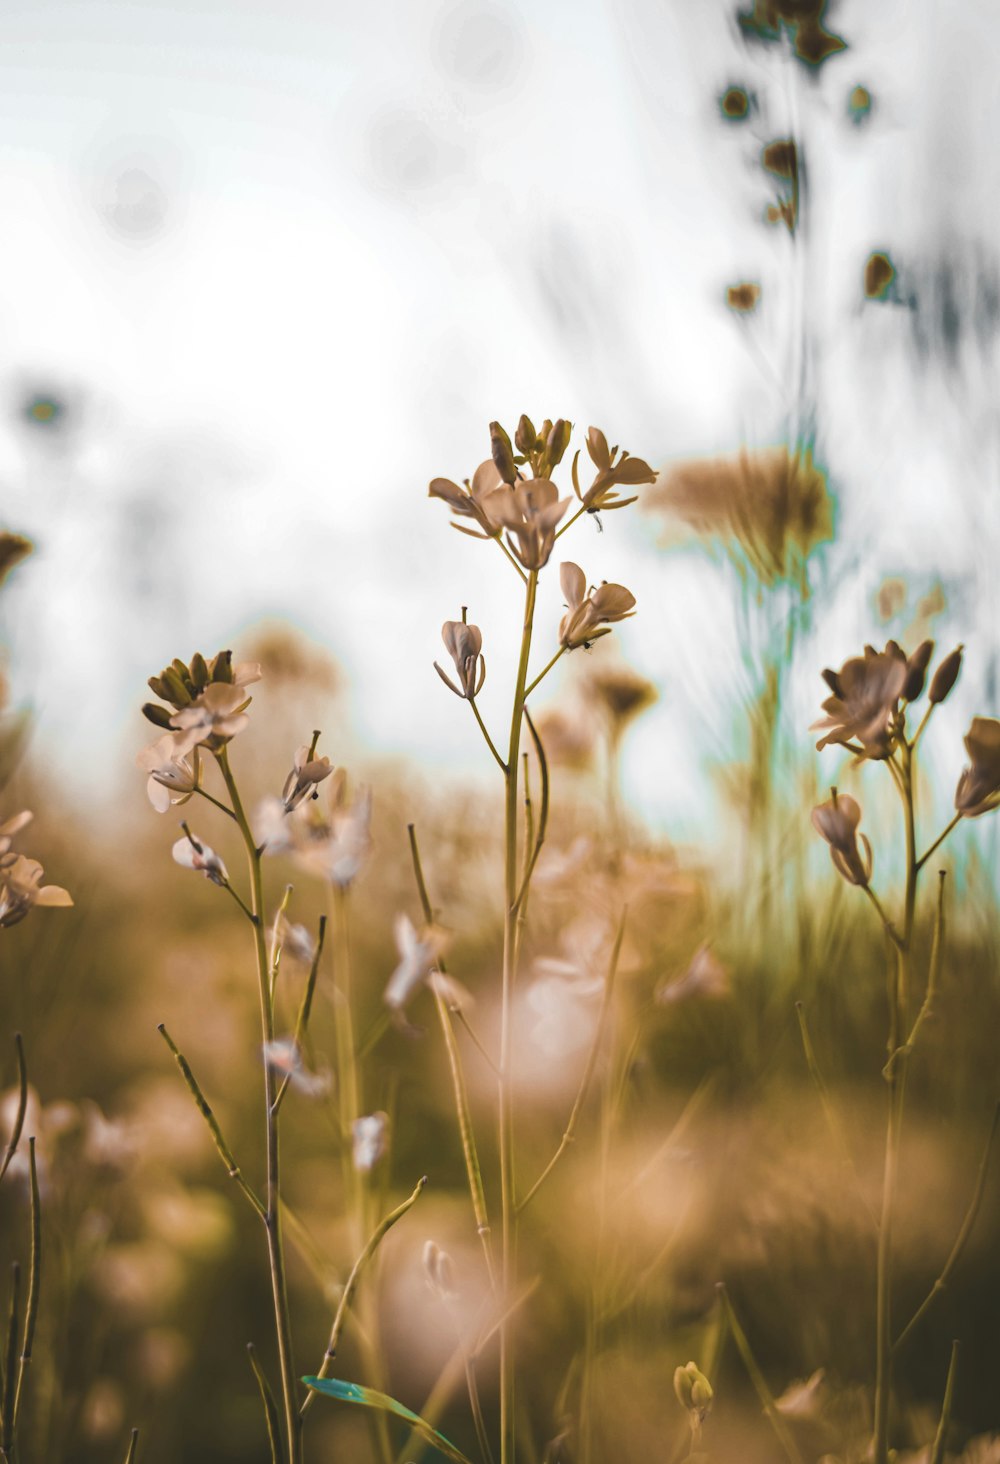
x: 544, y: 449
x: 273, y: 830
x: 619, y: 693
x: 21, y: 888
x: 440, y: 1272
x: 781, y: 158
x: 191, y: 853
x: 803, y: 1399
x: 627, y: 470
x: 866, y: 692
x: 880, y: 272
x: 735, y: 103
x: 590, y: 613
x: 338, y: 849
x: 530, y: 512
x: 471, y: 501
x: 370, y: 1135
x: 694, y: 1391
x: 172, y: 779
x: 212, y: 720
x: 503, y: 454
x: 464, y: 644
x: 705, y: 976
x: 304, y: 778
x: 284, y: 1057
x: 418, y: 955
x: 945, y: 676
x: 744, y: 297
x: 978, y: 788
x: 837, y: 822
x: 181, y: 685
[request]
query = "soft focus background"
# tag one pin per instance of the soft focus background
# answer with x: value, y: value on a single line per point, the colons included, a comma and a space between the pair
x: 266, y: 272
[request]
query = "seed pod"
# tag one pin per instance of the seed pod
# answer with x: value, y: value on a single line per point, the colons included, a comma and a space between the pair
x: 557, y: 443
x: 945, y: 676
x: 916, y: 670
x: 503, y: 453
x: 199, y: 671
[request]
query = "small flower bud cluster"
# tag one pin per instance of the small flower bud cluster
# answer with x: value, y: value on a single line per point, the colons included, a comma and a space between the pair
x: 694, y: 1392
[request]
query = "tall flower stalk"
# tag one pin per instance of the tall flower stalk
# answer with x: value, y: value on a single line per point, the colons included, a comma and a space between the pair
x: 867, y: 715
x: 513, y: 492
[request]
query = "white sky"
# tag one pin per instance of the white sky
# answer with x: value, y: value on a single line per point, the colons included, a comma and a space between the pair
x: 285, y: 264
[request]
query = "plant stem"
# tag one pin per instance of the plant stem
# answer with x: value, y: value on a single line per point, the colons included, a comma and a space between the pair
x: 505, y: 1096
x: 489, y: 740
x: 937, y: 1452
x: 272, y: 1208
x: 544, y: 671
x: 939, y: 841
x: 763, y: 1392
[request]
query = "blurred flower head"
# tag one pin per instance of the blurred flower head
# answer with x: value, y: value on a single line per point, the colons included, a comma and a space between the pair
x: 440, y: 1272
x: 21, y: 889
x: 978, y: 788
x: 464, y: 643
x: 192, y: 853
x: 283, y: 1056
x: 419, y: 951
x: 294, y: 940
x: 704, y: 977
x: 370, y: 1135
x: 804, y: 1399
x: 865, y: 701
x: 590, y: 613
x: 172, y: 779
x: 837, y: 822
x: 8, y: 829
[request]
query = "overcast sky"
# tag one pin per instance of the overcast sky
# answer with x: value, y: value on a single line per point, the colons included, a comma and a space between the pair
x: 282, y: 264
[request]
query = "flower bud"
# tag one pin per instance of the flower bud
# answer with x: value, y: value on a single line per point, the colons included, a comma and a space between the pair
x: 525, y: 437
x: 916, y: 670
x: 556, y: 444
x: 199, y: 671
x: 221, y: 668
x: 694, y: 1391
x: 159, y: 716
x: 177, y: 692
x: 503, y: 453
x: 945, y: 676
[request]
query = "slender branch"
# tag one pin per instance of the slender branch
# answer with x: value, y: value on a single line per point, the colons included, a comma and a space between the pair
x: 10, y: 1365
x: 763, y: 1392
x: 588, y: 1071
x: 933, y: 976
x: 351, y: 1284
x: 469, y: 1151
x: 242, y: 904
x: 205, y: 1109
x: 545, y: 670
x: 923, y: 723
x: 939, y: 840
x: 477, y: 1042
x: 498, y: 540
x: 274, y: 958
x: 571, y: 521
x: 887, y: 924
x: 489, y: 740
x: 937, y: 1452
x: 34, y: 1276
x: 222, y: 807
x: 22, y: 1105
x: 960, y: 1242
x: 271, y: 1415
x: 305, y: 1006
x: 133, y: 1445
x: 543, y: 813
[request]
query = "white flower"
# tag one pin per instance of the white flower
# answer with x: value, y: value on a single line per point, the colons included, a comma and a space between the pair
x: 172, y: 779
x: 284, y: 1057
x: 212, y: 719
x: 8, y: 829
x: 803, y: 1399
x: 418, y: 955
x: 295, y: 940
x: 705, y: 976
x: 370, y: 1135
x: 21, y: 888
x: 302, y: 781
x: 192, y: 853
x: 338, y: 850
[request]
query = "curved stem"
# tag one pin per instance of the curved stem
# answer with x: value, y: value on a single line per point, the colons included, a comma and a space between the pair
x: 545, y: 670
x: 489, y: 740
x: 272, y: 1210
x: 939, y: 841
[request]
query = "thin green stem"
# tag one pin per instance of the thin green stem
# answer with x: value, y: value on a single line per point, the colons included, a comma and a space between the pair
x: 272, y: 1418
x: 34, y: 1276
x: 571, y: 521
x: 498, y: 540
x: 545, y: 671
x: 222, y: 807
x: 960, y: 1242
x: 133, y: 1445
x: 588, y: 1071
x: 763, y: 1392
x: 272, y: 1211
x: 22, y: 1105
x: 351, y: 1284
x: 505, y: 1095
x: 305, y: 1006
x: 940, y: 1439
x: 489, y: 740
x: 939, y: 840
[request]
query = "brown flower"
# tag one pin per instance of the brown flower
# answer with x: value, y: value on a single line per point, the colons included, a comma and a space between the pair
x: 865, y: 700
x: 530, y: 512
x: 590, y: 613
x: 464, y: 644
x: 301, y: 783
x: 743, y: 297
x: 611, y: 470
x: 470, y: 501
x: 212, y: 720
x: 837, y: 822
x: 21, y: 887
x: 978, y: 788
